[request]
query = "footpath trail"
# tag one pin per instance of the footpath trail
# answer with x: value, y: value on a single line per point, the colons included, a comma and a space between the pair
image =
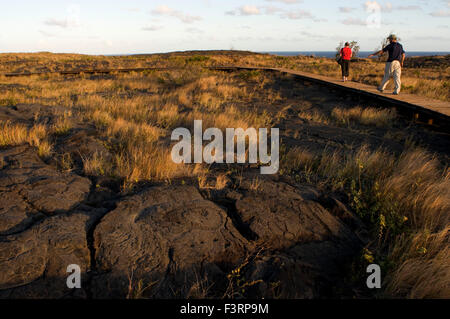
x: 429, y: 110
x: 412, y: 99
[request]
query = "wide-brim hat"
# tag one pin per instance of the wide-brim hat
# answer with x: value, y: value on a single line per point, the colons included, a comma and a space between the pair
x: 392, y: 37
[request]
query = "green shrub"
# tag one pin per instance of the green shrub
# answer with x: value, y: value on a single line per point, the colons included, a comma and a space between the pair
x: 197, y: 58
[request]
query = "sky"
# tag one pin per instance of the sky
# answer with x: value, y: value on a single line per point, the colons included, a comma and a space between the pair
x: 139, y: 26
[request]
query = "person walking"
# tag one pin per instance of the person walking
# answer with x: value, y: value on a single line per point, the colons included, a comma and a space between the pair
x: 346, y: 55
x: 394, y: 64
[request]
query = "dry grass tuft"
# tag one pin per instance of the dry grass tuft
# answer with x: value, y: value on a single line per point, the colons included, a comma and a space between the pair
x: 17, y: 134
x: 63, y: 124
x: 406, y: 199
x: 314, y: 116
x: 423, y: 270
x: 12, y: 134
x: 97, y: 165
x: 364, y: 116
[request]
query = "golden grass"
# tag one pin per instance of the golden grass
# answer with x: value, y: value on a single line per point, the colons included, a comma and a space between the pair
x: 134, y: 114
x: 420, y: 186
x: 409, y: 191
x: 428, y: 80
x: 137, y: 127
x: 364, y: 116
x: 222, y: 181
x: 63, y: 124
x: 12, y: 134
x: 423, y: 270
x: 149, y: 162
x: 17, y: 134
x: 45, y: 149
x: 314, y: 116
x: 97, y: 165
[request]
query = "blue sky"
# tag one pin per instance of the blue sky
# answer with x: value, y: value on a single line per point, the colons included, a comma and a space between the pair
x: 138, y: 26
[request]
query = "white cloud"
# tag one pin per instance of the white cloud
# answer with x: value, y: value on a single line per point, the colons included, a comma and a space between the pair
x: 354, y: 21
x: 47, y: 34
x: 312, y: 35
x: 194, y: 30
x: 443, y: 13
x: 72, y: 19
x: 286, y: 1
x: 152, y: 28
x: 374, y: 5
x: 165, y: 10
x: 431, y: 38
x: 346, y: 9
x: 440, y: 14
x: 63, y: 23
x: 248, y: 10
x: 408, y: 8
x: 296, y: 15
x: 388, y: 7
x: 272, y: 10
x: 57, y: 23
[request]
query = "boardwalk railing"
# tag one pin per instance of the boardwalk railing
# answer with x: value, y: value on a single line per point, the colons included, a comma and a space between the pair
x: 421, y: 109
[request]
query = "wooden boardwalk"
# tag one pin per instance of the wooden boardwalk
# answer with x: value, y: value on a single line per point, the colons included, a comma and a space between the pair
x: 421, y: 108
x: 89, y: 71
x: 427, y: 108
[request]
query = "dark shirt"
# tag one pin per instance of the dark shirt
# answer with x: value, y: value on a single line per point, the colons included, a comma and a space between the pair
x: 395, y: 50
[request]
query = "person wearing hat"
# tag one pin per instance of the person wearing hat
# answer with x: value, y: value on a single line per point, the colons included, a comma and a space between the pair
x: 394, y: 64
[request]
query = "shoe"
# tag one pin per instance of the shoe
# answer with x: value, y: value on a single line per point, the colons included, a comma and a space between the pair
x: 380, y: 90
x: 396, y: 93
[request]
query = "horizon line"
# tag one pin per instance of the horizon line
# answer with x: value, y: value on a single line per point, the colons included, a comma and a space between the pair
x: 206, y: 50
